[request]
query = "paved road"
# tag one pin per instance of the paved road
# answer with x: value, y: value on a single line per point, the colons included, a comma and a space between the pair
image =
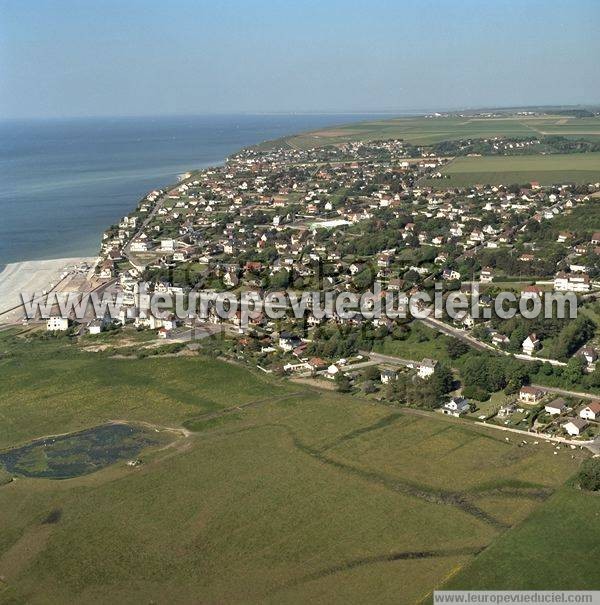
x: 567, y: 392
x: 440, y: 326
x: 391, y: 359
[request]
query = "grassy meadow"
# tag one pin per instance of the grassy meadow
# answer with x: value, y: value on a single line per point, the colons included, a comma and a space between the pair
x: 279, y: 494
x: 427, y: 131
x: 496, y: 170
x: 566, y: 527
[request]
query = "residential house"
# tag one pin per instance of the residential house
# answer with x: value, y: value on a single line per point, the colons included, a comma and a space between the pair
x: 316, y: 363
x: 532, y: 292
x: 487, y: 275
x: 575, y: 426
x: 139, y: 246
x: 556, y: 407
x: 500, y: 340
x: 288, y: 341
x: 450, y: 274
x: 531, y: 344
x: 591, y: 411
x: 563, y: 236
x: 507, y: 410
x: 388, y: 375
x: 427, y: 368
x: 529, y: 394
x: 571, y: 282
x: 98, y: 325
x: 457, y: 406
x: 55, y: 323
x: 590, y: 356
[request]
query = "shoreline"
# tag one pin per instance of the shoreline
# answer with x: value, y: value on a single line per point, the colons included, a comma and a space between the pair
x: 34, y: 276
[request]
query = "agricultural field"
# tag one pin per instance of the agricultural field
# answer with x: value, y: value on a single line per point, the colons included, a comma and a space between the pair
x: 50, y: 382
x: 496, y: 170
x: 427, y: 131
x: 276, y: 493
x: 567, y: 525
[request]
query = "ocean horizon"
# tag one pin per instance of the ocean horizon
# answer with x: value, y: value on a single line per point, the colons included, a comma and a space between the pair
x: 64, y: 181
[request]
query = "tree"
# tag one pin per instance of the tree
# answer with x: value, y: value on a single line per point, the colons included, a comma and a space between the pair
x: 593, y: 379
x: 371, y: 373
x: 589, y: 475
x: 572, y: 336
x: 364, y: 279
x: 456, y: 348
x: 442, y: 380
x: 573, y: 373
x: 369, y: 387
x: 475, y: 393
x: 343, y: 383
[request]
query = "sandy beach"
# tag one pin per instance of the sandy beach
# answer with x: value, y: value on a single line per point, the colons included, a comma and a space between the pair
x: 34, y: 276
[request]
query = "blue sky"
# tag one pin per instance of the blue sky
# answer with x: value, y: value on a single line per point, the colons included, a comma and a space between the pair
x: 149, y: 57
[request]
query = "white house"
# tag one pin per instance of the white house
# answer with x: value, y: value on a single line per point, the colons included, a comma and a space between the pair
x: 531, y: 344
x: 487, y: 274
x: 427, y: 368
x: 556, y: 407
x: 96, y: 326
x: 139, y: 246
x: 500, y: 340
x: 457, y: 406
x: 450, y: 274
x: 575, y: 426
x: 529, y: 394
x: 590, y: 355
x: 590, y: 411
x: 332, y: 370
x: 388, y: 375
x: 288, y: 342
x: 57, y: 323
x: 571, y: 282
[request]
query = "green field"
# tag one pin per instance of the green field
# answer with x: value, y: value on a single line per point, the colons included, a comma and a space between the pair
x: 567, y: 525
x: 496, y: 170
x: 302, y: 495
x: 433, y: 130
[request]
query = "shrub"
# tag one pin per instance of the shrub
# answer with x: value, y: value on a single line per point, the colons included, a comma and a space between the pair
x: 589, y: 475
x: 477, y: 393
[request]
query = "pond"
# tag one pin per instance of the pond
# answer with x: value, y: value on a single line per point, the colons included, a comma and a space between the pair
x: 77, y: 454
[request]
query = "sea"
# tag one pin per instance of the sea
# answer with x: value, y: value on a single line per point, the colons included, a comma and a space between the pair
x: 63, y: 182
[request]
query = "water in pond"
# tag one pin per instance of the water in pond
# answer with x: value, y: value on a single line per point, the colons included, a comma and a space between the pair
x: 77, y: 453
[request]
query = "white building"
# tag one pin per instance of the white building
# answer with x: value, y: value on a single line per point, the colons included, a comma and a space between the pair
x: 575, y: 426
x: 139, y: 246
x: 427, y: 368
x: 487, y: 275
x: 591, y: 411
x: 387, y: 375
x: 56, y: 323
x: 572, y: 282
x: 556, y: 407
x: 457, y: 406
x: 531, y: 344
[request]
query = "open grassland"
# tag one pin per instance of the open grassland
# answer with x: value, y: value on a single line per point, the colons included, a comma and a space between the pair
x: 51, y: 388
x: 301, y: 495
x: 566, y: 528
x: 496, y: 170
x: 433, y: 130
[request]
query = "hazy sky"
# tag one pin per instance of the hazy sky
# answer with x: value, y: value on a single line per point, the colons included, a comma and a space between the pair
x: 136, y: 57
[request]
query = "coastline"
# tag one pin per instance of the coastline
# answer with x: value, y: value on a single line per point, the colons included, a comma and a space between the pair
x: 34, y: 276
x: 37, y: 276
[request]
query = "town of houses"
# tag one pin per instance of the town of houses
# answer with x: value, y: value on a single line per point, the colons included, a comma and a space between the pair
x: 342, y: 219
